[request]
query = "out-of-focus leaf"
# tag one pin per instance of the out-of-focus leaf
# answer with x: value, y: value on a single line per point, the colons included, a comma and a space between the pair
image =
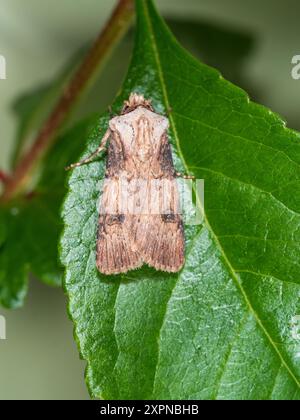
x: 32, y: 108
x: 30, y: 227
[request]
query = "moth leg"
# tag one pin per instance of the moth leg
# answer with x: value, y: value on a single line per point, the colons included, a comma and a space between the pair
x: 94, y: 154
x: 180, y: 175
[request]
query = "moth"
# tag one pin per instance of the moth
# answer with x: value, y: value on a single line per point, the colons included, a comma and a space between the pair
x: 139, y: 216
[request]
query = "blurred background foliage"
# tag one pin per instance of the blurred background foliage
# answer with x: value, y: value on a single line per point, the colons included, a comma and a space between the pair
x: 251, y: 42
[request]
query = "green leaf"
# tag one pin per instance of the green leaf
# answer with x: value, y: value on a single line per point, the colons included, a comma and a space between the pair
x: 220, y: 329
x: 215, y: 45
x: 31, y: 226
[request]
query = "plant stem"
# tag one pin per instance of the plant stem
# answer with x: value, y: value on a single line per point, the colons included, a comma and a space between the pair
x: 80, y: 82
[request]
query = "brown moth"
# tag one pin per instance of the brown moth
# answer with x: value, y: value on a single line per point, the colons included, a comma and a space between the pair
x: 140, y: 220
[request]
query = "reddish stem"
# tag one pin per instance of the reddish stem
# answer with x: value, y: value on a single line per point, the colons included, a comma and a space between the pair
x: 112, y: 33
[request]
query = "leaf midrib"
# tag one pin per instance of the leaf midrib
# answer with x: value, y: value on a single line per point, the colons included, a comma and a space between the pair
x: 234, y: 275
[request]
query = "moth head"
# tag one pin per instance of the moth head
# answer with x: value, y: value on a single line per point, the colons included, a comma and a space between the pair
x: 135, y: 100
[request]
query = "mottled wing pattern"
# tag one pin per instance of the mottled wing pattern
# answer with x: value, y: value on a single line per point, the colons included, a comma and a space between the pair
x: 165, y: 157
x: 115, y: 158
x: 160, y: 241
x: 140, y: 149
x: 160, y: 237
x: 125, y: 242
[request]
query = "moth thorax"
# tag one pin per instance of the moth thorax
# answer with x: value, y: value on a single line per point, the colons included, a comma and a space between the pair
x: 144, y: 154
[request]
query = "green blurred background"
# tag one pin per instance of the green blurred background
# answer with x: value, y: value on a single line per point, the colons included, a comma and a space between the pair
x: 252, y: 42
